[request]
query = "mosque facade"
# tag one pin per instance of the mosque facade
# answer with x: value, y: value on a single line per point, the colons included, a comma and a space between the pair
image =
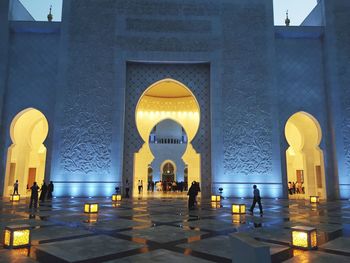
x: 82, y: 100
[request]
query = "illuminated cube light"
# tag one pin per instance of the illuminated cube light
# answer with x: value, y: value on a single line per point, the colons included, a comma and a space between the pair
x: 91, y: 208
x: 14, y: 198
x: 304, y: 237
x: 17, y: 236
x: 238, y: 209
x: 216, y: 198
x: 116, y: 197
x: 314, y: 199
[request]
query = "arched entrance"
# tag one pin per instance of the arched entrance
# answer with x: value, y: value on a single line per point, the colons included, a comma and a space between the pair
x: 166, y: 99
x: 27, y: 155
x: 305, y: 162
x: 168, y: 171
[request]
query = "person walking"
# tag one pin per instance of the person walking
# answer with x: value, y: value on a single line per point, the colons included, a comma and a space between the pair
x: 43, y: 192
x: 139, y: 186
x: 127, y: 188
x: 34, y: 196
x: 15, y: 188
x: 256, y: 199
x: 50, y: 189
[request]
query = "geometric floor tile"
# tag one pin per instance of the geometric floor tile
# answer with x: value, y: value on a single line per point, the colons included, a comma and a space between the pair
x: 87, y: 247
x: 163, y: 234
x: 160, y: 255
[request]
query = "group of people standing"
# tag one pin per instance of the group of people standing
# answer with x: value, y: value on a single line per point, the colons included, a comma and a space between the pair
x: 168, y: 186
x: 296, y: 188
x: 45, y: 192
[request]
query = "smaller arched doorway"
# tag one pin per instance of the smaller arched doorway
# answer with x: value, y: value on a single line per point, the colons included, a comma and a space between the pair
x: 26, y: 156
x: 168, y: 171
x: 304, y: 157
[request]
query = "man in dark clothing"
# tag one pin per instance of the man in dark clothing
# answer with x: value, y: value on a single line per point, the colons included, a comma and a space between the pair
x: 256, y: 199
x: 50, y: 190
x: 15, y: 187
x: 43, y: 192
x: 34, y: 195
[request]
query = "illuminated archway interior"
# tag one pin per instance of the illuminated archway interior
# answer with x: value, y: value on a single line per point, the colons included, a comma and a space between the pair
x: 168, y: 171
x: 305, y: 163
x: 27, y: 155
x: 166, y: 99
x: 168, y: 143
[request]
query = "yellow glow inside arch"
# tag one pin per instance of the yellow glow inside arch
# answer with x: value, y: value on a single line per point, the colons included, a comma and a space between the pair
x: 304, y: 157
x: 166, y: 99
x: 27, y: 155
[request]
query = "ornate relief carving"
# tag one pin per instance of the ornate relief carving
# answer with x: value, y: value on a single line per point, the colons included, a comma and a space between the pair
x: 247, y: 133
x: 87, y: 130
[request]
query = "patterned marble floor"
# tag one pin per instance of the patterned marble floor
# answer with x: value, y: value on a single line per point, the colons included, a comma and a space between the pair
x: 163, y: 230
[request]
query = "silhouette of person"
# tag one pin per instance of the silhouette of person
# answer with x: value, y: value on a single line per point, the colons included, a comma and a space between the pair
x: 15, y: 187
x: 256, y: 199
x: 192, y: 192
x: 34, y: 195
x: 43, y: 192
x: 127, y: 188
x: 139, y: 186
x: 50, y: 189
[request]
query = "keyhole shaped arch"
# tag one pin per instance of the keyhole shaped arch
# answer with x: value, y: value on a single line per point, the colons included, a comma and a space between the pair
x: 166, y: 162
x: 166, y: 99
x: 26, y: 156
x: 304, y: 157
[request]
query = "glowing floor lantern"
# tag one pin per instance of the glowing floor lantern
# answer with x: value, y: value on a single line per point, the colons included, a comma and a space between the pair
x: 14, y: 197
x: 216, y: 198
x: 17, y: 236
x: 304, y: 237
x: 314, y: 199
x: 91, y: 208
x: 116, y: 197
x: 238, y: 209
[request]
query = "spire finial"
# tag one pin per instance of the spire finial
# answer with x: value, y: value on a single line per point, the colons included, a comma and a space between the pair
x: 50, y: 16
x: 287, y: 20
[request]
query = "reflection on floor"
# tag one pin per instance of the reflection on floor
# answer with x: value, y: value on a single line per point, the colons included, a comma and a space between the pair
x: 164, y: 194
x: 163, y: 230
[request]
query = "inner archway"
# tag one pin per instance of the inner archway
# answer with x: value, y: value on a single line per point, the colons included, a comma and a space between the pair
x: 304, y: 157
x: 27, y: 155
x: 168, y: 171
x: 166, y: 99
